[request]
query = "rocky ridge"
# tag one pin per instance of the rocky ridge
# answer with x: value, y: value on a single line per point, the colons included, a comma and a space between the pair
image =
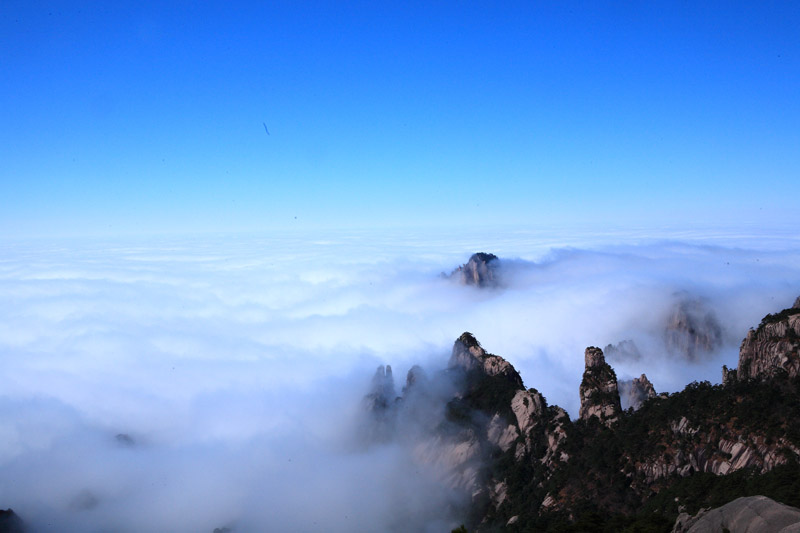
x: 526, y: 464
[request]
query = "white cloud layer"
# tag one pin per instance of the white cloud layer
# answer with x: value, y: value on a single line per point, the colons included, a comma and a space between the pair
x: 236, y: 366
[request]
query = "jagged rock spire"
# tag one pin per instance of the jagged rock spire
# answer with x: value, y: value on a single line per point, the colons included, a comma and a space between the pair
x: 599, y: 390
x: 382, y: 394
x: 637, y: 391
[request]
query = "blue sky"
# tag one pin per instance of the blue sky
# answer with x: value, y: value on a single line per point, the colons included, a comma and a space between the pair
x: 130, y: 118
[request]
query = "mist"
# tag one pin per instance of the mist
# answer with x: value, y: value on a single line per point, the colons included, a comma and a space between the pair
x: 188, y: 384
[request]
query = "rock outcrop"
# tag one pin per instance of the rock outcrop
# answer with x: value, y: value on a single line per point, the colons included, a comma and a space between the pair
x: 382, y: 394
x: 692, y: 330
x: 715, y: 451
x: 771, y: 348
x: 469, y: 355
x: 479, y: 271
x: 635, y: 392
x: 599, y: 391
x: 485, y: 412
x: 753, y: 514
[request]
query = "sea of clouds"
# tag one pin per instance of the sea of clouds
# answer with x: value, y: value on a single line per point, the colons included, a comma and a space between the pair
x: 186, y: 384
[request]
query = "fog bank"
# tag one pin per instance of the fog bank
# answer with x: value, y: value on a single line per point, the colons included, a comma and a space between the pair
x: 188, y: 384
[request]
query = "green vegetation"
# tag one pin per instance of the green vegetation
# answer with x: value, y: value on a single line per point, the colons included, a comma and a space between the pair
x: 701, y: 490
x: 600, y: 486
x: 777, y: 317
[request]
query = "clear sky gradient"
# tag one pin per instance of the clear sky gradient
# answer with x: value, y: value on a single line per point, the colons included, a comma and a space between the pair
x: 119, y: 117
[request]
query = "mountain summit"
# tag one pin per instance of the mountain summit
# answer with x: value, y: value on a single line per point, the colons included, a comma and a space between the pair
x: 479, y: 271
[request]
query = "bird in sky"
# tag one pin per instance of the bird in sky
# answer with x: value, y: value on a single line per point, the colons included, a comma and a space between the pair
x: 265, y: 127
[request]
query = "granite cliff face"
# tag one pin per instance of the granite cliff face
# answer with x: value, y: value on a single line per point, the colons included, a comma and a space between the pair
x: 712, y: 439
x: 469, y: 356
x: 711, y: 448
x: 479, y: 271
x: 599, y: 391
x: 771, y: 348
x: 754, y: 514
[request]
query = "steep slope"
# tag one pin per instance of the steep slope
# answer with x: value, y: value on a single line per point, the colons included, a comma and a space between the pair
x: 773, y: 347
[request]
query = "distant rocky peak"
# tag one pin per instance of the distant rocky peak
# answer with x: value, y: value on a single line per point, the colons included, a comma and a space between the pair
x: 643, y: 384
x: 479, y: 271
x: 599, y: 390
x: 635, y: 392
x: 692, y: 329
x: 382, y: 394
x: 796, y: 303
x: 381, y: 405
x: 625, y: 350
x: 383, y: 381
x: 482, y: 258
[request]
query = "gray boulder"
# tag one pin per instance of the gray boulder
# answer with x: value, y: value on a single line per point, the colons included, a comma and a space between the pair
x: 753, y: 514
